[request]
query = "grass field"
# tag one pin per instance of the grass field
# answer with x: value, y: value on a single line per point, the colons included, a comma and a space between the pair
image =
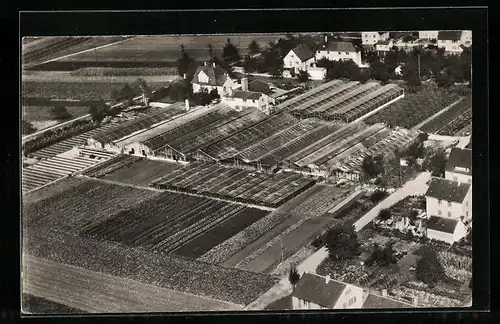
x: 167, y: 48
x: 41, y: 113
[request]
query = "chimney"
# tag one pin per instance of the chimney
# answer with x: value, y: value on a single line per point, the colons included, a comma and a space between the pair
x: 327, y: 278
x: 415, y: 301
x: 326, y: 38
x: 187, y: 104
x: 205, y: 63
x: 213, y: 64
x: 384, y: 293
x: 244, y: 84
x: 184, y: 76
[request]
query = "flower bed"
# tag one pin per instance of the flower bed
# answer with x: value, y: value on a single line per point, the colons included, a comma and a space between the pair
x: 236, y: 286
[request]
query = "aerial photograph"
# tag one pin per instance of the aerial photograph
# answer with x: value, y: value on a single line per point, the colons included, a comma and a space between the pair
x: 246, y: 172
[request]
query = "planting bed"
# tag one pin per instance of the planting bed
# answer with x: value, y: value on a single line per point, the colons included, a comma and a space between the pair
x: 36, y: 305
x: 232, y: 285
x: 452, y: 120
x: 414, y: 108
x: 213, y: 180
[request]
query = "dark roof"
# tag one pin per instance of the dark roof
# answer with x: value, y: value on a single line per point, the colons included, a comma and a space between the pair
x: 216, y: 75
x: 383, y: 43
x: 447, y: 190
x: 460, y: 158
x: 442, y: 224
x: 450, y: 35
x: 313, y: 288
x: 303, y: 52
x: 259, y: 86
x: 338, y: 47
x: 246, y: 94
x: 376, y: 301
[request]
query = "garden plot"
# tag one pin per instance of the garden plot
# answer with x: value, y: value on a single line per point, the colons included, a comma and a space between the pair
x: 452, y: 120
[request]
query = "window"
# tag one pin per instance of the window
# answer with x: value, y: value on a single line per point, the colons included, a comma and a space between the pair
x: 439, y: 201
x: 340, y: 53
x: 346, y: 53
x: 449, y: 214
x: 439, y: 212
x: 455, y: 179
x: 327, y: 52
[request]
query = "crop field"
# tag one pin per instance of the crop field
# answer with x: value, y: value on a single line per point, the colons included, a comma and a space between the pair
x: 41, y: 113
x: 451, y: 121
x: 117, y: 162
x: 113, y: 72
x: 165, y: 271
x: 213, y: 180
x: 69, y: 77
x: 414, y: 108
x: 167, y: 48
x: 310, y: 203
x: 76, y: 207
x: 75, y: 90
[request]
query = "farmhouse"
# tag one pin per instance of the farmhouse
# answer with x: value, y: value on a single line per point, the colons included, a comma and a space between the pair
x: 445, y: 229
x: 428, y: 34
x: 371, y: 38
x: 212, y: 77
x: 459, y: 165
x: 299, y: 59
x: 317, y: 292
x: 338, y: 51
x: 450, y: 41
x: 449, y: 199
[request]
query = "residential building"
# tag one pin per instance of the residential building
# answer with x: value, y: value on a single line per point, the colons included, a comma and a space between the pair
x: 450, y: 41
x: 428, y: 34
x: 299, y: 59
x: 445, y: 229
x: 338, y: 51
x: 466, y: 38
x: 317, y: 73
x: 317, y: 292
x: 459, y: 165
x: 266, y: 88
x: 449, y: 199
x: 372, y: 38
x: 211, y: 77
x: 384, y: 46
x: 244, y: 98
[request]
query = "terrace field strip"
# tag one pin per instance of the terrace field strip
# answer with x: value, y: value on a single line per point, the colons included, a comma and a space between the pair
x: 166, y: 271
x: 97, y: 292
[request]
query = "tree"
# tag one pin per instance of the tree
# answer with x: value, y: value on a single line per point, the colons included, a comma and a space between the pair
x: 230, y: 52
x: 343, y: 70
x: 60, y: 112
x: 373, y: 166
x: 98, y: 112
x: 429, y: 269
x: 443, y: 80
x: 438, y: 163
x: 184, y: 63
x: 415, y: 151
x: 214, y: 94
x: 293, y: 276
x: 303, y: 76
x: 115, y: 94
x: 202, y: 98
x: 254, y: 47
x: 126, y: 93
x: 342, y: 242
x: 250, y: 64
x: 384, y: 214
x: 382, y: 257
x: 422, y: 137
x: 27, y: 128
x: 210, y: 51
x: 378, y: 195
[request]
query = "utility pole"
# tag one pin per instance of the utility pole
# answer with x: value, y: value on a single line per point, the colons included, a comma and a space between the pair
x: 281, y: 245
x: 419, y: 66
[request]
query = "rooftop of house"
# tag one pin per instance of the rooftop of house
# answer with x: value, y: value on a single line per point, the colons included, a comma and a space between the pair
x: 447, y: 190
x: 450, y: 35
x: 303, y: 52
x: 259, y: 86
x: 446, y: 225
x: 217, y: 76
x: 252, y: 95
x: 319, y: 290
x: 386, y: 42
x: 375, y: 301
x: 335, y: 46
x: 461, y: 158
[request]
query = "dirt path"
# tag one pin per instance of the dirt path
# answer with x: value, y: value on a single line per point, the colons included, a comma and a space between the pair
x: 97, y: 292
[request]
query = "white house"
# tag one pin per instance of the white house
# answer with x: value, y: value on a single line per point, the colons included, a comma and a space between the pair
x: 459, y: 165
x: 466, y: 38
x: 299, y: 58
x: 428, y: 34
x: 317, y: 73
x: 445, y: 229
x: 449, y: 199
x: 211, y: 77
x: 371, y: 38
x: 317, y: 292
x: 451, y: 41
x: 338, y: 51
x: 244, y: 98
x: 384, y: 46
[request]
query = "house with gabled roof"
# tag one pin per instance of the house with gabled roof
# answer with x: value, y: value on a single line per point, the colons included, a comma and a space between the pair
x: 338, y: 51
x: 211, y: 77
x: 450, y: 41
x: 459, y: 165
x: 445, y: 229
x: 244, y: 97
x: 371, y: 38
x: 299, y: 58
x: 318, y: 292
x: 428, y: 34
x: 449, y: 199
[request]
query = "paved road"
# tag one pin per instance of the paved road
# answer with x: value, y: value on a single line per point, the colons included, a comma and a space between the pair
x: 412, y: 187
x: 97, y: 292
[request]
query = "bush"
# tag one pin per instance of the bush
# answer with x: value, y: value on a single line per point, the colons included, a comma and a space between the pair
x: 384, y: 214
x: 382, y: 257
x: 342, y: 242
x: 429, y: 269
x: 378, y: 195
x: 293, y: 276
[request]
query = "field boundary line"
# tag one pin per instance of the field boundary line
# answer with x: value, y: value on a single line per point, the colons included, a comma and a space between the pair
x: 417, y: 127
